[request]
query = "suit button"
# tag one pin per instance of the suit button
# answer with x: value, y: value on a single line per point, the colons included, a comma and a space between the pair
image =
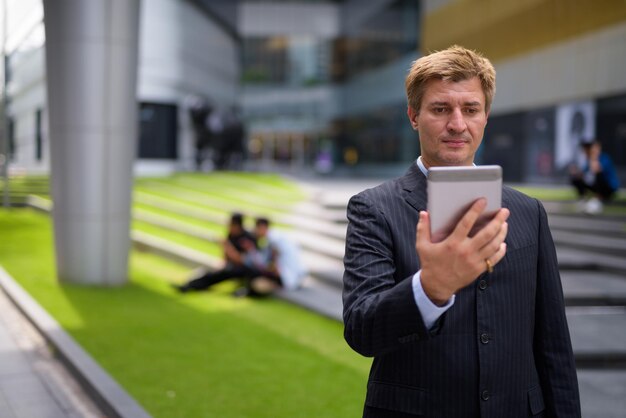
x: 484, y: 338
x: 482, y: 285
x: 485, y: 395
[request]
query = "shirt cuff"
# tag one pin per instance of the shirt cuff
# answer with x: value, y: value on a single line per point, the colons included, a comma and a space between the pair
x: 430, y: 312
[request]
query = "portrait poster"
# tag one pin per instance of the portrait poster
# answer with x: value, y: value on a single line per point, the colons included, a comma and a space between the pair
x: 575, y: 123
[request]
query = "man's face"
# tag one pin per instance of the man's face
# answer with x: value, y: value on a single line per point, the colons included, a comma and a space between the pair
x: 593, y: 151
x: 450, y: 122
x: 235, y: 229
x: 260, y: 230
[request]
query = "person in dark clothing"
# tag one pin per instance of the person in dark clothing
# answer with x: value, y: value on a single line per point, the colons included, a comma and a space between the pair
x: 238, y: 241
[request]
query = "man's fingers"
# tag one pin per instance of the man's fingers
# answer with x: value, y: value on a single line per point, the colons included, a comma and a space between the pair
x: 493, y: 246
x: 492, y: 229
x: 468, y: 220
x: 497, y: 257
x: 422, y: 235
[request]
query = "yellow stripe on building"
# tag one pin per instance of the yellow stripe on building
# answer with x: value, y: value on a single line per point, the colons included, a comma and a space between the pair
x: 504, y: 28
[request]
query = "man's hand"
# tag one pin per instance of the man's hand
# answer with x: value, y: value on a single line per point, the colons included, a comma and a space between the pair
x: 231, y: 255
x: 455, y: 262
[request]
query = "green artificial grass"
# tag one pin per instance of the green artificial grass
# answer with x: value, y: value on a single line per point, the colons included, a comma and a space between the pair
x: 207, y: 247
x: 202, y: 199
x: 616, y: 207
x: 153, y: 210
x: 205, y: 354
x: 549, y: 193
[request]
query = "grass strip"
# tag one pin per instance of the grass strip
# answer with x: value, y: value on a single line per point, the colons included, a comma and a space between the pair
x: 212, y: 226
x: 212, y: 199
x: 207, y: 247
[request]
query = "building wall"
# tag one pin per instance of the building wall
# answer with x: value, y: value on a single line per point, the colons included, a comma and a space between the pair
x: 587, y: 66
x: 26, y: 88
x: 503, y: 29
x: 182, y: 53
x: 551, y: 56
x: 276, y: 18
x: 545, y: 51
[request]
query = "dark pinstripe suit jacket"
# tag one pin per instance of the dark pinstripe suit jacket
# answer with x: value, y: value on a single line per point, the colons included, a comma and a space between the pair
x: 501, y: 351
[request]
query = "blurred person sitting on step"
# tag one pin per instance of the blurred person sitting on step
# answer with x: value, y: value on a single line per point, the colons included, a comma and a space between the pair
x: 597, y: 175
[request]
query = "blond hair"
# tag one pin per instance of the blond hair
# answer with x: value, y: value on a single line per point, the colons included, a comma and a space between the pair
x: 453, y: 64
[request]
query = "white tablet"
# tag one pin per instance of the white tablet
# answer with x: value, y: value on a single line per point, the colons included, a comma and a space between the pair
x: 452, y: 190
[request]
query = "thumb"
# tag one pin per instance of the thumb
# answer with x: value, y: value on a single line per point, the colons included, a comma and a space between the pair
x: 422, y: 235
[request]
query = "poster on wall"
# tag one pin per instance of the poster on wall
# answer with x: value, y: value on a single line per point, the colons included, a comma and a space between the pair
x: 575, y: 122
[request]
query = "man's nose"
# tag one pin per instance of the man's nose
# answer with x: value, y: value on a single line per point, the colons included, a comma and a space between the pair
x: 456, y: 122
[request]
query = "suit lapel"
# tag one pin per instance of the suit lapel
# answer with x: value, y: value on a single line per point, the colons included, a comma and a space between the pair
x: 414, y: 183
x: 515, y: 236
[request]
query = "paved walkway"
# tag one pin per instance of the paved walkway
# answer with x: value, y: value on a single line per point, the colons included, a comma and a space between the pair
x: 33, y: 384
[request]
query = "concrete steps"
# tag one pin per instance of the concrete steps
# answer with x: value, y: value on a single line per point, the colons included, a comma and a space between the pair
x: 316, y: 296
x: 593, y: 288
x: 598, y: 336
x: 588, y: 224
x: 595, y: 242
x: 591, y: 242
x: 325, y: 269
x: 580, y: 259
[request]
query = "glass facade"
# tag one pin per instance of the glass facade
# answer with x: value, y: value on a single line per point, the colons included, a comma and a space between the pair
x: 285, y: 60
x: 503, y: 144
x: 330, y: 121
x: 310, y: 60
x: 381, y: 39
x: 611, y: 129
x: 157, y: 131
x: 320, y: 84
x: 524, y: 142
x: 379, y: 136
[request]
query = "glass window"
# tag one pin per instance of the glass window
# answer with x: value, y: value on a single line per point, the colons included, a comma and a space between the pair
x: 157, y: 131
x: 384, y: 37
x: 38, y: 138
x: 611, y: 128
x: 297, y: 60
x: 376, y: 137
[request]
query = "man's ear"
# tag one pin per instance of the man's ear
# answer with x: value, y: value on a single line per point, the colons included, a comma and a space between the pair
x: 412, y: 114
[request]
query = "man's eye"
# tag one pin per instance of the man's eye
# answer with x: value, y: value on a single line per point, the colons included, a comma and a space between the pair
x: 439, y: 109
x: 471, y: 110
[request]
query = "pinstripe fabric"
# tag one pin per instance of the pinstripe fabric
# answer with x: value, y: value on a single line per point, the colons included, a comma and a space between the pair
x: 524, y: 365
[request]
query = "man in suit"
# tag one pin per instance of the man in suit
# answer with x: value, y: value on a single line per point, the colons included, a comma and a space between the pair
x: 471, y: 326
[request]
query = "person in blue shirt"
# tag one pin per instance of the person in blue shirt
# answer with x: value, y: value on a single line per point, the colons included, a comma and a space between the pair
x: 596, y: 176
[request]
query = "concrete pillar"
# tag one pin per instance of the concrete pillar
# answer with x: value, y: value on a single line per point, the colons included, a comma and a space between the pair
x: 91, y: 66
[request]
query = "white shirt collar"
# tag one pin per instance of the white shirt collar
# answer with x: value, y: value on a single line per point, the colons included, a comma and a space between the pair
x: 423, y: 168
